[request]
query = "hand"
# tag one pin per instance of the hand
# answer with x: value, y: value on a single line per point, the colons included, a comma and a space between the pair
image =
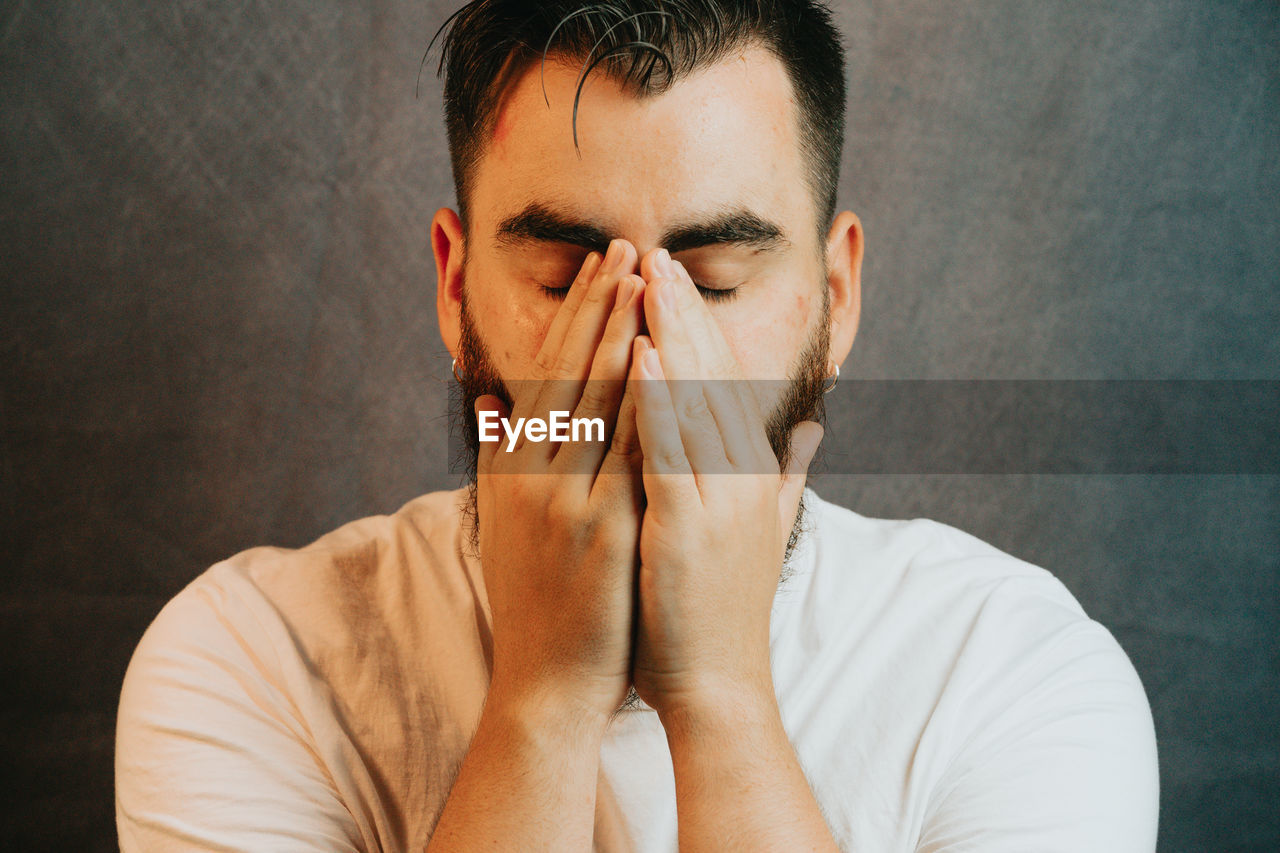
x: 559, y: 522
x: 719, y: 510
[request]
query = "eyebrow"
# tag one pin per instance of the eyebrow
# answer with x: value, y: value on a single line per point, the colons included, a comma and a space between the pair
x: 734, y: 228
x: 537, y: 222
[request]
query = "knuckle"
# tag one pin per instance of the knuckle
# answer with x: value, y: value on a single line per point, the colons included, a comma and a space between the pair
x: 625, y: 443
x: 598, y: 295
x: 615, y: 331
x: 563, y: 366
x: 694, y: 407
x: 668, y: 459
x: 595, y: 397
x: 544, y: 361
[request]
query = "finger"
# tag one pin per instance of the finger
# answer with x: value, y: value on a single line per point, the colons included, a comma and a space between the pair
x: 554, y: 338
x: 805, y: 439
x: 718, y: 354
x: 526, y: 391
x: 696, y: 425
x: 488, y: 403
x: 667, y: 327
x: 621, y: 473
x: 714, y: 431
x: 669, y: 483
x: 732, y: 400
x: 606, y: 384
x: 562, y: 384
x: 624, y: 454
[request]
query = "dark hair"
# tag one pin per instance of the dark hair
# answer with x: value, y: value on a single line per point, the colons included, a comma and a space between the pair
x: 645, y: 45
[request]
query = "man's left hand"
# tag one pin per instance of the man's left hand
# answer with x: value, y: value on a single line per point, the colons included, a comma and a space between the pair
x: 719, y: 510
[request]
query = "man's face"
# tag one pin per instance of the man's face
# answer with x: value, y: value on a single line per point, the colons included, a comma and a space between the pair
x: 712, y: 170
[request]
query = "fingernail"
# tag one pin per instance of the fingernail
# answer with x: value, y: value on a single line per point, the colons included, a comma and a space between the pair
x: 662, y: 262
x: 624, y: 293
x: 614, y: 255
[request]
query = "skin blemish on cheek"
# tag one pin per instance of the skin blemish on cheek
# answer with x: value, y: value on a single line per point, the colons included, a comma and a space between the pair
x: 800, y: 314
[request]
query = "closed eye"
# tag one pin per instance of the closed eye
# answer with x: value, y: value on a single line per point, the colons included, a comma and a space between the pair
x: 710, y: 294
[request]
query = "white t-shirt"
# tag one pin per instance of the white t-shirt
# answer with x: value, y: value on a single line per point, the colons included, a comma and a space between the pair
x: 940, y: 695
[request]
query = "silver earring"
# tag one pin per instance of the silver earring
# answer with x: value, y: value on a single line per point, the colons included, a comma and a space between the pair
x: 457, y: 375
x: 833, y: 379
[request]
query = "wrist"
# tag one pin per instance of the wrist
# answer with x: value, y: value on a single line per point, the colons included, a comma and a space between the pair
x: 546, y: 713
x: 711, y: 712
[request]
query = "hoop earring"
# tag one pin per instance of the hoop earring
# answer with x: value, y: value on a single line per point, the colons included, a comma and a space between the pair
x: 461, y: 379
x: 833, y: 379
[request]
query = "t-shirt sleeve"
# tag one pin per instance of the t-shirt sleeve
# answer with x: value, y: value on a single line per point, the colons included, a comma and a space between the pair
x: 1061, y: 755
x: 211, y: 754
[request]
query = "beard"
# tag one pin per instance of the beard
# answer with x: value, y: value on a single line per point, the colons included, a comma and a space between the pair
x: 801, y: 400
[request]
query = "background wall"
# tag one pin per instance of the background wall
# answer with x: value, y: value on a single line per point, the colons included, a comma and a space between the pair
x: 219, y: 325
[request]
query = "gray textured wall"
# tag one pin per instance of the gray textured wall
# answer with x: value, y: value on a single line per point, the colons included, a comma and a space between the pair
x: 219, y: 326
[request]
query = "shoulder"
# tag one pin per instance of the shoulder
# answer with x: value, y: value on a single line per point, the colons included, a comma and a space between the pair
x: 233, y: 686
x: 209, y: 730
x: 264, y: 598
x: 925, y: 581
x: 1031, y: 713
x: 426, y: 529
x: 366, y: 571
x: 932, y: 574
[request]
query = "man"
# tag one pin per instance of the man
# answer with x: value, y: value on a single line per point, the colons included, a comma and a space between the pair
x: 597, y: 644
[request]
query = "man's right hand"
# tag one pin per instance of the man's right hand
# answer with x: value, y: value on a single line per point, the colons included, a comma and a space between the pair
x: 560, y: 522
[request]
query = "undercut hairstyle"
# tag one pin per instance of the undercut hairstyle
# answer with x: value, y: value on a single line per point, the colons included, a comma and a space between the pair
x: 645, y: 46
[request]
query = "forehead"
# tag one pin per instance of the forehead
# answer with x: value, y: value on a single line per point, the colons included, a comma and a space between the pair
x: 723, y: 137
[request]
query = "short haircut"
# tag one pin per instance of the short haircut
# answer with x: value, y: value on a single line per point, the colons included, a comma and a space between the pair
x: 646, y: 46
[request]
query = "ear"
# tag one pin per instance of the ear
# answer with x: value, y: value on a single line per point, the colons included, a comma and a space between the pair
x: 844, y: 282
x: 448, y: 246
